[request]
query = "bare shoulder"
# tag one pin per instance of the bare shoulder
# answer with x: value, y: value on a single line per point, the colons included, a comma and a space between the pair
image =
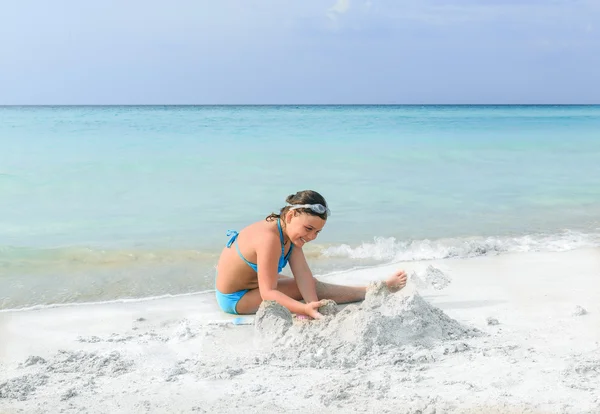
x: 260, y: 234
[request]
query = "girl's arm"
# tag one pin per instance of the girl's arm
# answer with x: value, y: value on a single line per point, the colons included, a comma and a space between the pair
x: 268, y: 250
x: 303, y: 275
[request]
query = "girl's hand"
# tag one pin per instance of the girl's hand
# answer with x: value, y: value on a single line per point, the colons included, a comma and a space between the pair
x: 311, y: 309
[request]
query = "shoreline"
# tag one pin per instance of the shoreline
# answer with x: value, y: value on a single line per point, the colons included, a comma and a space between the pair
x: 40, y: 278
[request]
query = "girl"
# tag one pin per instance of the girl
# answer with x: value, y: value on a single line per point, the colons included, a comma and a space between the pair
x: 250, y: 272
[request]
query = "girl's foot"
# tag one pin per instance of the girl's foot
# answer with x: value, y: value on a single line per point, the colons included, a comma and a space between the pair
x: 397, y: 281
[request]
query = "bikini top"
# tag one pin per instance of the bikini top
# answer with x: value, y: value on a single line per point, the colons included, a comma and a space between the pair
x: 283, y: 259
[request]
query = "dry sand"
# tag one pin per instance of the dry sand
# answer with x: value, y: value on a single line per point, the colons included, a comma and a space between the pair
x: 516, y: 333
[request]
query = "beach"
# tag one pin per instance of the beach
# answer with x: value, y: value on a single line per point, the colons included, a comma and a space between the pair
x: 457, y: 141
x: 528, y: 341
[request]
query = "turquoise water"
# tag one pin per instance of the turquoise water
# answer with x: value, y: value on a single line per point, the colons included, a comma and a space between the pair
x: 98, y: 203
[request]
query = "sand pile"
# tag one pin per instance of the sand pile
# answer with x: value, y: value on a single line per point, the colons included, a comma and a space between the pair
x: 432, y: 277
x: 387, y: 328
x: 77, y: 368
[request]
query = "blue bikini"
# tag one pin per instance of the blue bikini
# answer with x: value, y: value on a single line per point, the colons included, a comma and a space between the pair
x: 228, y: 301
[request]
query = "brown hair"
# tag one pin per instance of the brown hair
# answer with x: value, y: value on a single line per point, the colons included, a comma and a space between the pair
x: 301, y: 197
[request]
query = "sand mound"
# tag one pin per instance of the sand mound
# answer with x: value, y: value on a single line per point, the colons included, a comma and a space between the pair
x: 385, y: 328
x: 579, y: 311
x: 20, y: 388
x: 273, y: 318
x: 432, y: 277
x: 80, y: 362
x: 77, y: 368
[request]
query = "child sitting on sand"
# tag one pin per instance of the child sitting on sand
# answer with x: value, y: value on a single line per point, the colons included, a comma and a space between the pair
x: 268, y: 245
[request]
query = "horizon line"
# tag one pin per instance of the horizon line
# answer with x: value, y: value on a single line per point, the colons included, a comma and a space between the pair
x: 309, y: 104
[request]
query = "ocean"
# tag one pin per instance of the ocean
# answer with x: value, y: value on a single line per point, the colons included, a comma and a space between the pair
x: 108, y: 203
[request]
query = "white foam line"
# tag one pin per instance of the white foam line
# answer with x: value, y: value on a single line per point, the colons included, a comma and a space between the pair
x: 166, y: 296
x: 105, y: 302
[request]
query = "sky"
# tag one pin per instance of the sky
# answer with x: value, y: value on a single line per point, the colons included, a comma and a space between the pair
x: 99, y: 52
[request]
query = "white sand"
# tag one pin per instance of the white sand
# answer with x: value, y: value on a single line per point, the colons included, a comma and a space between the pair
x: 507, y: 334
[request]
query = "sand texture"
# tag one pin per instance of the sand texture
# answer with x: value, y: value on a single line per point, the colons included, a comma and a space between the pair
x: 516, y: 333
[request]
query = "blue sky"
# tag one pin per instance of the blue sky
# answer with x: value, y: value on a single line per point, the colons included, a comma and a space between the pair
x: 299, y: 51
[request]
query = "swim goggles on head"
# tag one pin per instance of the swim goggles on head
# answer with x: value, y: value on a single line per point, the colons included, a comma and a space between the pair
x: 317, y: 208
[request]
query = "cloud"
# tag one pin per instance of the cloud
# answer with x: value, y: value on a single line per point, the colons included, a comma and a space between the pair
x: 340, y: 7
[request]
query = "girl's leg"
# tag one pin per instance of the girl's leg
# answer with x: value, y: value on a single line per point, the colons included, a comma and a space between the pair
x: 249, y: 303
